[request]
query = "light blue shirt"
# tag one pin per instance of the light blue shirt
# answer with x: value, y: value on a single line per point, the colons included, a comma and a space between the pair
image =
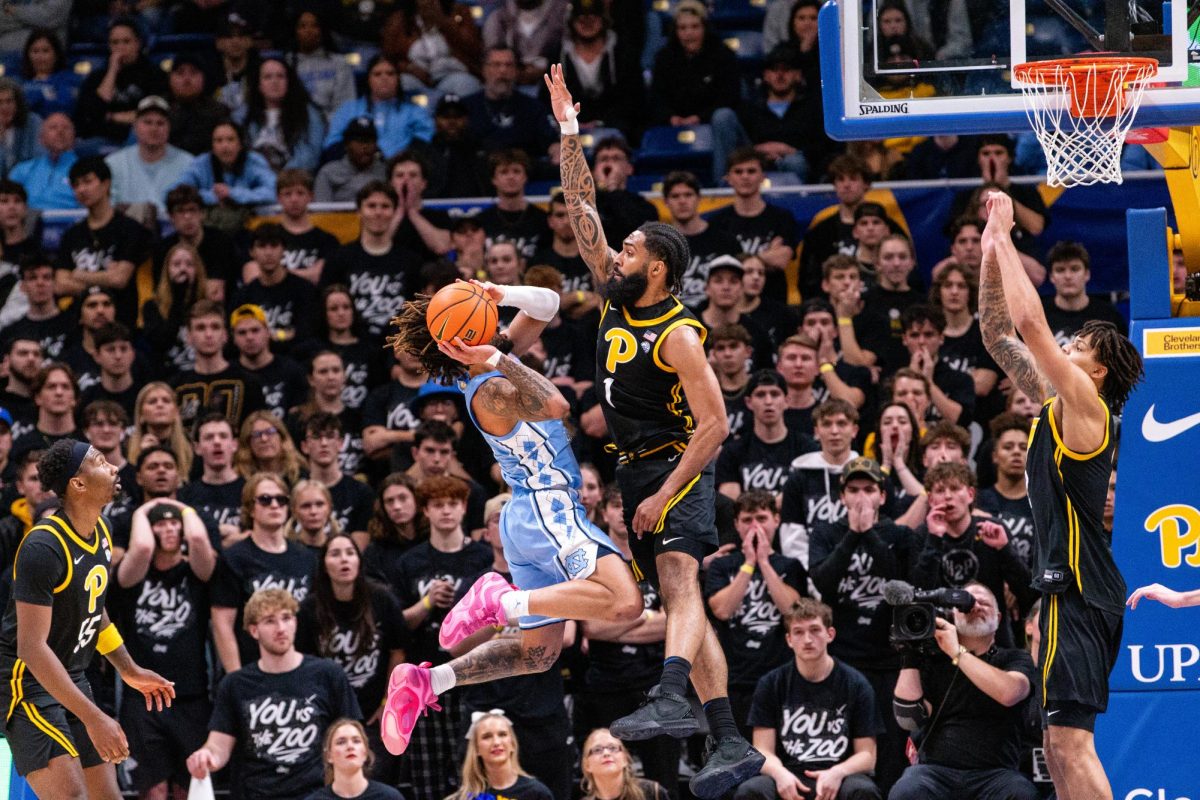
x: 46, y: 181
x: 138, y: 181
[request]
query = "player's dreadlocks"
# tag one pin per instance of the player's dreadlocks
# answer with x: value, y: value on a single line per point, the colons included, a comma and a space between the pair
x: 412, y: 336
x: 1118, y: 354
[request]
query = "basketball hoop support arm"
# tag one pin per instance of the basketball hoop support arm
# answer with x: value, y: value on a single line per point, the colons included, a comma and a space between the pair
x: 1177, y: 150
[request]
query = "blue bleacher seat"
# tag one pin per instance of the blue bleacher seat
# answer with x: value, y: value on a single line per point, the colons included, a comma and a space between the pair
x: 776, y: 179
x: 10, y: 65
x: 182, y: 43
x: 590, y: 137
x: 83, y: 65
x: 747, y: 46
x: 730, y: 15
x: 651, y: 182
x: 541, y: 188
x: 669, y: 147
x: 86, y: 49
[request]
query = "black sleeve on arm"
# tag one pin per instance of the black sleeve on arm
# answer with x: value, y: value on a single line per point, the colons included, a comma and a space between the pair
x: 40, y: 567
x: 827, y: 565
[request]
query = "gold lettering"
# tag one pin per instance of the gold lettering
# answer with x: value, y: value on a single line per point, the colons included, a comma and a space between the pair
x: 1178, y: 527
x: 622, y: 347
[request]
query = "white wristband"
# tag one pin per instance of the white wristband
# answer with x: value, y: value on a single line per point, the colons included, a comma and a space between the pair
x: 571, y: 126
x: 493, y: 360
x: 536, y: 302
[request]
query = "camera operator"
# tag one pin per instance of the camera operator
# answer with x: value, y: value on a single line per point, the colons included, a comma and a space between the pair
x: 850, y: 562
x: 965, y: 706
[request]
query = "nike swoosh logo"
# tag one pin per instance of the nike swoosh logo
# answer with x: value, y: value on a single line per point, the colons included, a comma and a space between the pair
x: 1155, y: 431
x: 79, y: 559
x: 674, y: 457
x: 672, y: 539
x: 1052, y: 713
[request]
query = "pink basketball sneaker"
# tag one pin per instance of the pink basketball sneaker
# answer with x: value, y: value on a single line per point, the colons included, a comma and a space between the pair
x: 480, y: 606
x: 409, y: 696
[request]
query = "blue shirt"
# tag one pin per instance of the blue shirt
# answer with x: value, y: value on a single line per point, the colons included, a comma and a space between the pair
x: 46, y: 181
x: 396, y: 122
x: 46, y: 96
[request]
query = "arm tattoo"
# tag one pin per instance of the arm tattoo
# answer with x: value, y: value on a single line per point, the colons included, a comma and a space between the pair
x: 579, y: 191
x: 1000, y: 338
x: 500, y: 658
x: 524, y: 396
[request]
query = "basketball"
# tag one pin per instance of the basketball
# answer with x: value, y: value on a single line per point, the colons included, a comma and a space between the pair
x: 463, y: 310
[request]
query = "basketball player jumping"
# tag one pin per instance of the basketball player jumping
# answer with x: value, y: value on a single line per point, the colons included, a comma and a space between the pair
x: 61, y: 742
x: 665, y: 412
x: 1071, y: 452
x: 556, y: 556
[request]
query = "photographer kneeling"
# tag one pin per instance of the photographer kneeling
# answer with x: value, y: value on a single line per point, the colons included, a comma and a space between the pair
x: 963, y: 706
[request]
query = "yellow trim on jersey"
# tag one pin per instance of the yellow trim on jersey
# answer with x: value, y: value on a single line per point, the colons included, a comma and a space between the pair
x: 1051, y: 643
x: 662, y: 520
x: 663, y: 336
x: 100, y: 523
x: 1073, y: 536
x: 646, y: 323
x: 1071, y: 453
x: 66, y: 554
x: 16, y: 685
x: 45, y: 727
x: 90, y: 548
x: 676, y: 407
x: 637, y: 571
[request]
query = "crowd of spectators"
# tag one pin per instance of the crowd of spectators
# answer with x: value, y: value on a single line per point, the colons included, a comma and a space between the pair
x: 235, y: 368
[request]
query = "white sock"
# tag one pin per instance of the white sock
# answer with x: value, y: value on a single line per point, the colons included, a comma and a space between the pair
x: 515, y: 604
x: 441, y: 678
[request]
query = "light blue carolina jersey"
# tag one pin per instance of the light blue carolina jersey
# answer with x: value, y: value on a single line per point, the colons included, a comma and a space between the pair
x: 533, y: 455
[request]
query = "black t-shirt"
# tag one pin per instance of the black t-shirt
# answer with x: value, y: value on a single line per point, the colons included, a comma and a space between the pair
x: 87, y: 371
x: 419, y: 568
x: 959, y: 387
x: 755, y: 235
x: 302, y: 250
x: 365, y: 664
x: 52, y: 333
x: 526, y: 228
x: 126, y: 399
x: 244, y: 568
x: 408, y: 237
x: 576, y: 275
x: 378, y: 284
x: 37, y: 440
x: 350, y: 453
x: 736, y: 413
x: 754, y: 631
x: 91, y: 250
x: 164, y: 620
x: 381, y: 560
x: 704, y: 247
x: 278, y: 720
x: 815, y: 724
x: 284, y: 383
x: 622, y: 212
x: 230, y: 391
x: 362, y: 362
x: 966, y: 352
x: 570, y: 349
x: 353, y: 502
x: 778, y: 320
x: 374, y: 791
x: 220, y: 501
x: 972, y: 730
x: 526, y: 788
x: 756, y: 465
x: 220, y: 255
x: 1015, y: 515
x: 1065, y: 324
x: 621, y: 667
x: 290, y: 306
x: 877, y: 326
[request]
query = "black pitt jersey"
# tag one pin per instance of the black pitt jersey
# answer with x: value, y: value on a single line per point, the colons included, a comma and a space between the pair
x: 641, y: 396
x: 56, y: 567
x: 1066, y: 492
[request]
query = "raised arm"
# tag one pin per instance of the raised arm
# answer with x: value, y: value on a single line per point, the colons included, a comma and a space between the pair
x: 578, y: 186
x: 525, y: 395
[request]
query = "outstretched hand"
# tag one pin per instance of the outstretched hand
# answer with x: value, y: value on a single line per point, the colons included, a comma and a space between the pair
x: 560, y: 97
x: 1156, y: 591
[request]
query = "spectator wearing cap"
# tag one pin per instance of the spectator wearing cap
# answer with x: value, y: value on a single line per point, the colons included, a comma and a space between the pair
x: 758, y: 459
x: 18, y: 236
x: 287, y: 302
x: 109, y: 98
x: 455, y: 166
x: 437, y: 47
x: 695, y: 73
x: 231, y: 175
x: 721, y: 306
x: 160, y: 601
x: 145, y: 171
x: 398, y: 123
x: 281, y: 122
x: 503, y: 117
x: 783, y: 122
x: 681, y: 193
x: 324, y: 73
x: 46, y: 176
x: 534, y: 29
x: 601, y: 71
x: 282, y: 378
x: 239, y: 58
x: 102, y: 250
x: 194, y: 111
x: 341, y: 180
x: 849, y: 561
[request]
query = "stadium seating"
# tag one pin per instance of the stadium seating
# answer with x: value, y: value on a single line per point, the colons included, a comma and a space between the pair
x: 683, y: 147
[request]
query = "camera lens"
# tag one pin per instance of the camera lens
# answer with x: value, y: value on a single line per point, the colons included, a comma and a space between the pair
x: 915, y: 622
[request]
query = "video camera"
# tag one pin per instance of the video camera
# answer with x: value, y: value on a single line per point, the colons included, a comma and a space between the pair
x: 915, y: 611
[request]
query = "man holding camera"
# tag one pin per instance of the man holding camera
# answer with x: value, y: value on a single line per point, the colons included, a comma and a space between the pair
x: 964, y: 706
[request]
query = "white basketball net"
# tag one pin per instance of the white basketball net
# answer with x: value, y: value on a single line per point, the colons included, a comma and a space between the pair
x: 1081, y: 114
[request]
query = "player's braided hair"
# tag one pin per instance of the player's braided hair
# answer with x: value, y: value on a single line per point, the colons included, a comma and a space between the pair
x: 53, y: 465
x: 1119, y: 355
x: 666, y: 244
x: 412, y: 336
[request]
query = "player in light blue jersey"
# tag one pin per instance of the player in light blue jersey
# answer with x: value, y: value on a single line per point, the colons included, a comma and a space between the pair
x: 558, y: 559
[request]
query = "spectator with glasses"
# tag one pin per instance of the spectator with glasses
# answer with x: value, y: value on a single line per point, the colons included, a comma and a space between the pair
x: 608, y: 772
x: 265, y: 445
x: 265, y: 558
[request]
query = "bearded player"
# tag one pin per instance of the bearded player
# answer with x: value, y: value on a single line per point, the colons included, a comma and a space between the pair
x: 1071, y: 451
x: 666, y: 415
x: 61, y: 742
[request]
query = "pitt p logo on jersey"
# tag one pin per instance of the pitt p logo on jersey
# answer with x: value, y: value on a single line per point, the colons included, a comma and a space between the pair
x: 94, y: 584
x: 622, y: 347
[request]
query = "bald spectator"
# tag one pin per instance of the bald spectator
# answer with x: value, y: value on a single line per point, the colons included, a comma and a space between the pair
x: 145, y: 171
x: 47, y: 178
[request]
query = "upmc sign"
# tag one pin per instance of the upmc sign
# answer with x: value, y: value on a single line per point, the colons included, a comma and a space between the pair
x: 1146, y: 740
